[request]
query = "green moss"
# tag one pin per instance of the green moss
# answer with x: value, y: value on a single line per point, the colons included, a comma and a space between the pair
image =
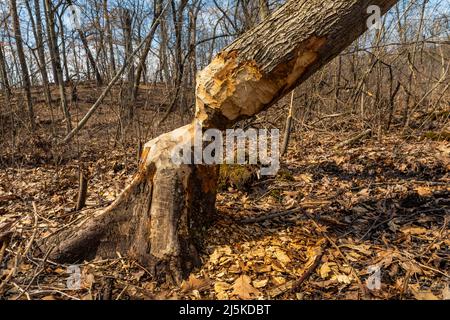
x: 438, y: 136
x: 285, y: 175
x: 237, y: 176
x: 276, y: 193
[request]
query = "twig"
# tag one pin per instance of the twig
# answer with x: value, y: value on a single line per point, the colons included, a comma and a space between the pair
x: 4, y: 240
x: 355, y: 274
x: 121, y: 292
x: 21, y: 290
x: 288, y: 126
x: 310, y: 266
x: 40, y: 268
x: 51, y: 290
x: 27, y: 248
x: 270, y: 216
x: 11, y: 272
x: 274, y: 215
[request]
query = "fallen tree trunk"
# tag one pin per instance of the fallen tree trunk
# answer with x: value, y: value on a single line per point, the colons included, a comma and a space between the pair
x: 159, y: 219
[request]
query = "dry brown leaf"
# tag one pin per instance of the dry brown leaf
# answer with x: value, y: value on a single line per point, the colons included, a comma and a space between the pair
x: 411, y: 267
x: 325, y: 269
x: 259, y: 252
x: 446, y: 292
x: 305, y: 177
x: 282, y: 256
x: 342, y: 278
x: 221, y: 286
x: 424, y: 191
x: 279, y: 280
x: 194, y: 283
x: 243, y: 289
x: 364, y: 192
x: 413, y: 230
x: 422, y: 294
x: 260, y: 283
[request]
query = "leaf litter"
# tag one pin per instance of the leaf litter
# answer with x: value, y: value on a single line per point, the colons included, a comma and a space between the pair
x: 383, y: 204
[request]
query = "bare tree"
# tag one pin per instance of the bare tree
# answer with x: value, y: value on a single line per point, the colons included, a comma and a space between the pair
x: 56, y: 62
x: 4, y: 74
x: 109, y: 36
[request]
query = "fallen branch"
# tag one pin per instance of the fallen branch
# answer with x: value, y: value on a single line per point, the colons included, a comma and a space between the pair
x: 270, y: 216
x: 354, y: 139
x: 305, y: 205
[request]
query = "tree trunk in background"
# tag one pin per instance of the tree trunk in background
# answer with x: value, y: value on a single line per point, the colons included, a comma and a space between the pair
x: 112, y: 61
x: 177, y: 15
x: 148, y: 45
x: 41, y: 55
x: 127, y: 21
x: 82, y: 35
x: 4, y: 74
x: 22, y: 61
x: 98, y: 77
x: 63, y: 47
x: 264, y: 10
x: 193, y: 14
x: 53, y: 46
x: 163, y: 47
x: 51, y: 34
x: 160, y: 217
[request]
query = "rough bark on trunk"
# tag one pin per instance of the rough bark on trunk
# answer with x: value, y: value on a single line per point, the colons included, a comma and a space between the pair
x: 22, y: 60
x: 148, y: 45
x: 4, y: 75
x: 56, y: 61
x: 82, y: 35
x: 159, y: 218
x: 152, y: 219
x: 112, y: 61
x: 41, y: 55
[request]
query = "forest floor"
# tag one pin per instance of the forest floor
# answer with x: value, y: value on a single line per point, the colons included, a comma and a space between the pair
x: 331, y: 221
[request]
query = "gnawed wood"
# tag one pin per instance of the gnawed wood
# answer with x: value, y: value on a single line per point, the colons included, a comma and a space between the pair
x: 151, y: 221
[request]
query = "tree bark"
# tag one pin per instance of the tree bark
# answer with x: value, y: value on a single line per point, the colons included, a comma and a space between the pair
x: 160, y: 217
x: 41, y: 55
x: 4, y: 75
x: 127, y: 105
x: 82, y: 35
x: 148, y: 45
x: 112, y: 61
x: 22, y: 60
x: 56, y: 61
x: 264, y: 10
x: 51, y: 34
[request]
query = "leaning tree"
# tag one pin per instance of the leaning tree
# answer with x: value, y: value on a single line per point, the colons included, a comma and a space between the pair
x: 160, y: 217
